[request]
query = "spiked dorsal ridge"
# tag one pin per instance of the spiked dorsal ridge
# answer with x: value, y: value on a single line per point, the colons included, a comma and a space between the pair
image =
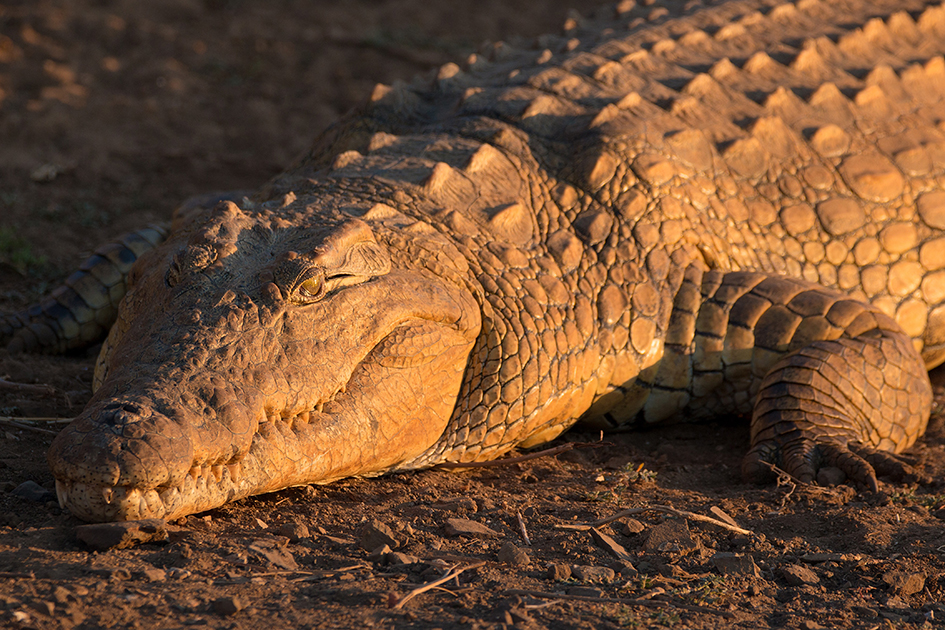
x: 438, y: 177
x: 776, y: 137
x: 932, y: 21
x: 903, y: 26
x: 513, y: 222
x: 877, y: 33
x: 747, y: 158
x: 703, y: 84
x: 448, y: 71
x: 663, y: 47
x: 380, y: 212
x: 484, y: 155
x: 873, y: 102
x: 722, y: 70
x: 761, y: 63
x: 785, y: 103
x: 784, y: 13
x: 731, y: 31
x: 345, y: 159
x: 697, y: 39
x: 828, y: 95
x: 381, y: 140
x: 810, y: 62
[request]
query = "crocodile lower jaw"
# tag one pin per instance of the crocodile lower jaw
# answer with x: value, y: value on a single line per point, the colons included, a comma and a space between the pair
x: 95, y: 503
x: 205, y: 487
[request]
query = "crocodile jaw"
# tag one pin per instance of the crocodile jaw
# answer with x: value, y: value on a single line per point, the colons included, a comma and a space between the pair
x: 131, y: 474
x: 218, y: 389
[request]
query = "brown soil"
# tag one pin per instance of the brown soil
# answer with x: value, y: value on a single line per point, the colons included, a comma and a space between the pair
x: 110, y: 113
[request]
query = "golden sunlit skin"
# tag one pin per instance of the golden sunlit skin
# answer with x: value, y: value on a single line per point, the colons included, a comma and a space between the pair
x: 663, y: 214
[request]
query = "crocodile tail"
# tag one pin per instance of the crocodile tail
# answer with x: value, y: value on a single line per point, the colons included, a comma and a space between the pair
x: 80, y: 311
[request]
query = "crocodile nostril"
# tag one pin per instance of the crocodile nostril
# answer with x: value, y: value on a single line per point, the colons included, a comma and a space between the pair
x: 123, y: 413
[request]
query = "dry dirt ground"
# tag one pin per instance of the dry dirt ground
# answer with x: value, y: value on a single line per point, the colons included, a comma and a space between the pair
x: 111, y: 111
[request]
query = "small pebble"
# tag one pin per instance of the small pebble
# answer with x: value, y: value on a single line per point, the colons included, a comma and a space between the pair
x: 608, y: 544
x: 796, y: 575
x: 903, y: 582
x: 275, y: 554
x: 510, y: 554
x: 735, y: 564
x: 593, y: 574
x: 61, y: 594
x: 397, y: 558
x: 228, y: 605
x: 466, y: 527
x: 671, y: 536
x: 379, y: 553
x: 631, y: 526
x: 34, y: 492
x: 458, y: 505
x: 559, y: 572
x: 627, y: 570
x: 154, y: 574
x: 375, y: 533
x: 293, y: 531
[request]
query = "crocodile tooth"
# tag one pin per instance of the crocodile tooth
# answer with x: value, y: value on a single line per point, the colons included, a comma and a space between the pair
x: 217, y: 470
x: 194, y: 472
x: 305, y: 417
x: 319, y: 407
x: 169, y: 496
x: 107, y: 494
x: 236, y: 469
x: 62, y: 493
x: 273, y: 417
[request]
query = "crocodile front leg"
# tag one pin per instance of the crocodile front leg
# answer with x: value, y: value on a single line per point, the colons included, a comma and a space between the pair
x: 831, y: 381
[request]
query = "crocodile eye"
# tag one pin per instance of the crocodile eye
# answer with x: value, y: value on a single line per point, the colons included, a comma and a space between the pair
x: 311, y: 289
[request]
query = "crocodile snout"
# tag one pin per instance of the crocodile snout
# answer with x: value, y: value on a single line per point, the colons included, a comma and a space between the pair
x: 125, y: 459
x: 123, y: 443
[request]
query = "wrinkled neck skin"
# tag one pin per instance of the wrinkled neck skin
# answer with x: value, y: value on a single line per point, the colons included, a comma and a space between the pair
x: 264, y: 348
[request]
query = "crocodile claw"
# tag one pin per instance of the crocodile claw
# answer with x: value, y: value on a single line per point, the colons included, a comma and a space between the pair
x: 803, y: 458
x: 890, y: 465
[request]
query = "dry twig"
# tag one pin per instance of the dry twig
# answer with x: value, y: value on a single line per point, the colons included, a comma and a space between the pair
x: 621, y: 600
x: 583, y: 527
x: 40, y: 419
x: 785, y: 480
x: 17, y: 424
x: 451, y: 573
x: 27, y: 388
x: 521, y: 528
x: 311, y: 576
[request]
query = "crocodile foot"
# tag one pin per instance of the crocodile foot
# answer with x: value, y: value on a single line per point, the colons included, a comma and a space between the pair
x: 804, y: 457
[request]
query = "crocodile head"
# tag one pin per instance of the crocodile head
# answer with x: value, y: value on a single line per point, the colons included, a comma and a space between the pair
x: 257, y: 351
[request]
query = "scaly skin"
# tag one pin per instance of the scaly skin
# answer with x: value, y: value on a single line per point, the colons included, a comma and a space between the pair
x: 672, y: 212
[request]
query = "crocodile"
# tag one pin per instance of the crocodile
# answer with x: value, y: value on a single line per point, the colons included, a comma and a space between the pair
x: 671, y: 211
